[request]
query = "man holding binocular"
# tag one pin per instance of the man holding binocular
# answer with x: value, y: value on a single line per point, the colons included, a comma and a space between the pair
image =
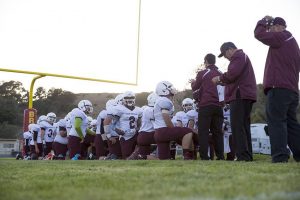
x: 281, y: 79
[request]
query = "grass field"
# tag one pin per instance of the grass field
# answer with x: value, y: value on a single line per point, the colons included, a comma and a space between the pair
x: 30, y: 180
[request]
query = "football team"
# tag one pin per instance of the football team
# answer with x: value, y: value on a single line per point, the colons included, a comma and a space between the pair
x: 123, y: 131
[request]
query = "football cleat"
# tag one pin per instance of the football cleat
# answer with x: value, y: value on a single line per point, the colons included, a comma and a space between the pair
x: 111, y: 157
x: 50, y: 156
x: 18, y: 157
x: 76, y: 157
x: 60, y: 157
x: 26, y: 158
x: 91, y: 157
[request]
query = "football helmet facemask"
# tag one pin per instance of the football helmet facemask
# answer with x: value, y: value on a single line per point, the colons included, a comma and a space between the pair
x: 86, y: 106
x: 51, y: 117
x: 165, y: 88
x: 187, y: 104
x: 129, y: 99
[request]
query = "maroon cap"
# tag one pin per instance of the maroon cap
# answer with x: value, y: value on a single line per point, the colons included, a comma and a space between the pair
x: 225, y: 46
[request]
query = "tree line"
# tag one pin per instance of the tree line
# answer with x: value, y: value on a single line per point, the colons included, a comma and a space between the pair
x: 14, y: 100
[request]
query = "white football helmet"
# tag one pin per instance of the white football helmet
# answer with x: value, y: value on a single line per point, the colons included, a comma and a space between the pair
x: 119, y: 99
x: 61, y: 123
x: 152, y: 99
x: 86, y: 106
x: 51, y: 117
x: 187, y: 104
x: 30, y: 126
x: 129, y: 99
x: 110, y: 103
x: 41, y: 118
x: 165, y: 88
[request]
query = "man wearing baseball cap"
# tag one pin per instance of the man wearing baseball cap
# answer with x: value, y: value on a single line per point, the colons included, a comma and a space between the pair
x: 240, y: 93
x: 281, y: 79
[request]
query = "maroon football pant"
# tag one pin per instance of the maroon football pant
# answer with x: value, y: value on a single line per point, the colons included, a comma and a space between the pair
x: 60, y: 149
x: 48, y: 148
x: 128, y: 146
x: 163, y: 137
x: 74, y: 146
x: 115, y: 148
x: 144, y: 141
x: 100, y: 145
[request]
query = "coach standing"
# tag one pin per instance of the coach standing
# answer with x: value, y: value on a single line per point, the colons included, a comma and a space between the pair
x: 240, y: 93
x: 281, y: 78
x: 210, y: 114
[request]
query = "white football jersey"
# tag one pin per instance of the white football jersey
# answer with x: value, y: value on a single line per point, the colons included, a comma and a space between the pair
x: 193, y: 115
x: 102, y: 115
x: 110, y: 113
x: 49, y: 131
x: 182, y: 117
x: 68, y: 126
x: 37, y: 128
x: 147, y: 120
x: 127, y: 120
x: 27, y: 135
x: 76, y: 112
x: 58, y: 138
x: 162, y: 103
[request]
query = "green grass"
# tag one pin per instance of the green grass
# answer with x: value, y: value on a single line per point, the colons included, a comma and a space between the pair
x: 149, y: 180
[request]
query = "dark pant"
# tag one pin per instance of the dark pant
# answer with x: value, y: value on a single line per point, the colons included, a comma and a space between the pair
x: 210, y: 119
x: 128, y: 146
x: 87, y: 142
x: 240, y: 110
x: 163, y: 137
x: 60, y: 149
x: 283, y: 126
x: 40, y: 147
x: 231, y: 154
x: 100, y: 145
x: 48, y: 148
x: 74, y: 145
x: 115, y: 148
x: 26, y: 148
x: 144, y: 141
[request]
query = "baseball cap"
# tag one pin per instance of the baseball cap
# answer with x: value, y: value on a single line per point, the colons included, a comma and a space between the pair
x: 225, y: 46
x: 279, y: 21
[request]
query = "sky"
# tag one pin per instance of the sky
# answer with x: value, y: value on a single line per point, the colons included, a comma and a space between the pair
x: 98, y: 39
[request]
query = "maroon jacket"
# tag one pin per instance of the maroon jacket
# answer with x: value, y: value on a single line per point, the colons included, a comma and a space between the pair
x: 283, y: 60
x: 204, y: 90
x: 239, y: 75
